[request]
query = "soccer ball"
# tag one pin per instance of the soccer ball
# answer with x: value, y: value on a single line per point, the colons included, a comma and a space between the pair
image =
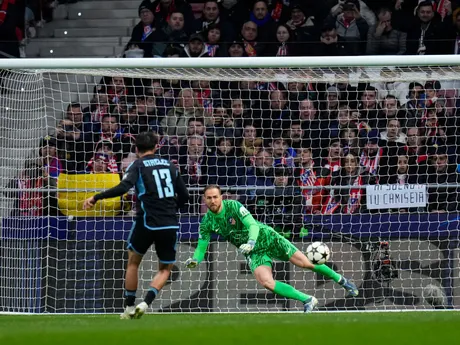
x: 434, y: 295
x: 318, y: 253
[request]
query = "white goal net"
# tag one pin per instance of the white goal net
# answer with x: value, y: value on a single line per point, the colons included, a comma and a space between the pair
x: 361, y: 155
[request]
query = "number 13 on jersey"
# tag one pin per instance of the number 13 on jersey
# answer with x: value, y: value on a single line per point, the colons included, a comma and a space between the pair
x: 163, y: 175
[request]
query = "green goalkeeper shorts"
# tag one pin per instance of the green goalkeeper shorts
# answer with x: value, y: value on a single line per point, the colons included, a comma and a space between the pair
x: 278, y: 248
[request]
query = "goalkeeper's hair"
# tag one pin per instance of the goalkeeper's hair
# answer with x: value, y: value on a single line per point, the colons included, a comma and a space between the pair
x: 212, y: 186
x: 146, y: 141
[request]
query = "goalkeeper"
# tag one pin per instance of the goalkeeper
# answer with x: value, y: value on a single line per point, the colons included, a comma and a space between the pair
x: 260, y: 244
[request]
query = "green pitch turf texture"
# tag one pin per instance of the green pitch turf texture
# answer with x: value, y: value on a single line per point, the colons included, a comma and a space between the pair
x: 416, y: 328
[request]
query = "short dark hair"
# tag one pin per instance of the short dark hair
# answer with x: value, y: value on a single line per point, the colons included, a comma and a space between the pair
x: 212, y: 186
x: 196, y: 119
x: 73, y: 105
x: 146, y: 141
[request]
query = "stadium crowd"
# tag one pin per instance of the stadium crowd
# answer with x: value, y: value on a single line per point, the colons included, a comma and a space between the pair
x: 266, y: 134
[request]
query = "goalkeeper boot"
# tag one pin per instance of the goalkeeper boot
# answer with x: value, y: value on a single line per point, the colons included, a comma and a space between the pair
x: 352, y: 290
x: 140, y: 310
x: 310, y: 305
x: 128, y: 313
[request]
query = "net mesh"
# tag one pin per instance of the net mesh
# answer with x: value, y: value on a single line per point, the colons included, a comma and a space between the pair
x: 363, y: 159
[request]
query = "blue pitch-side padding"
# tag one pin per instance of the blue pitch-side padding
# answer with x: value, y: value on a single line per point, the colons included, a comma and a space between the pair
x: 385, y: 226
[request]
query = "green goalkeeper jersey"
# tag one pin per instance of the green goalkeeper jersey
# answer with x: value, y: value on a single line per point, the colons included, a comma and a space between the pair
x: 236, y: 224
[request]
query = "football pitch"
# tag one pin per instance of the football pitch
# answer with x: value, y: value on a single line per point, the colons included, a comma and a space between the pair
x: 220, y: 329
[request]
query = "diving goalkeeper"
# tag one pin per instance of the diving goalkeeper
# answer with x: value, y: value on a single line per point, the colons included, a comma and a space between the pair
x: 260, y: 244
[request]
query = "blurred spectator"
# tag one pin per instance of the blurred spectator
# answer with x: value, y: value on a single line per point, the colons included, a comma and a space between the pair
x: 397, y: 89
x: 442, y: 199
x: 309, y: 173
x: 304, y: 29
x: 171, y: 35
x: 251, y: 143
x: 194, y: 163
x: 122, y: 143
x: 260, y: 15
x: 187, y: 106
x: 100, y: 164
x: 163, y: 10
x: 50, y: 162
x: 142, y: 36
x: 262, y: 173
x: 71, y: 147
x: 195, y: 47
x: 104, y: 151
x: 214, y: 45
x: 349, y: 200
x: 281, y: 207
x: 350, y: 25
x: 236, y: 49
x: 284, y: 44
x: 116, y: 89
x: 429, y: 34
x: 228, y: 168
x: 393, y: 134
x: 212, y: 16
x: 252, y: 45
x: 415, y: 104
x: 12, y: 13
x: 282, y: 153
x: 331, y: 44
x: 383, y: 39
x: 350, y: 140
x: 333, y: 160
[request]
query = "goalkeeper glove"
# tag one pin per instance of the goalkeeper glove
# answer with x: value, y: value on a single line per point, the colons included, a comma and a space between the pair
x: 247, y: 247
x: 191, y: 263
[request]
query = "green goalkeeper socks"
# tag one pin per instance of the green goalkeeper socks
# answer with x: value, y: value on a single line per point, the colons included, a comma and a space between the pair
x: 288, y: 291
x: 328, y: 272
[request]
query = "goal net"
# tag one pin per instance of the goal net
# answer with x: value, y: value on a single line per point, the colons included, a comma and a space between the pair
x: 359, y: 154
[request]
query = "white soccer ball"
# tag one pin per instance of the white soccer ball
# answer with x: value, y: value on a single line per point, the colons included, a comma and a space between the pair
x: 318, y: 253
x: 434, y: 295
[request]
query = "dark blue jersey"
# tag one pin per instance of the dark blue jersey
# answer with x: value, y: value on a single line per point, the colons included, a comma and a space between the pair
x: 159, y: 188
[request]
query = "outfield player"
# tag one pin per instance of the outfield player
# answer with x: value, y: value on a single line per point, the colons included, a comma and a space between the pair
x: 260, y: 244
x: 160, y: 192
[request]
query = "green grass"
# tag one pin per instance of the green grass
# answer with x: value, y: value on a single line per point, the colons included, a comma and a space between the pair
x: 431, y: 328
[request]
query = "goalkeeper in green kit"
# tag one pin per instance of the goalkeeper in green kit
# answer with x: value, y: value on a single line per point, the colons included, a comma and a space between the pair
x: 260, y: 244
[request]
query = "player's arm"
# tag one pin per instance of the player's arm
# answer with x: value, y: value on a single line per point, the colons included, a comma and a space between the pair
x: 249, y: 223
x: 129, y: 180
x: 202, y: 247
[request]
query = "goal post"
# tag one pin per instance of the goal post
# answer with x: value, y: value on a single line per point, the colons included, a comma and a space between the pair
x: 357, y: 152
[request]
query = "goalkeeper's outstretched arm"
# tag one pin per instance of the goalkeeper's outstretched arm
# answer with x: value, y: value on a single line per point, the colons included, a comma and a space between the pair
x: 202, y: 247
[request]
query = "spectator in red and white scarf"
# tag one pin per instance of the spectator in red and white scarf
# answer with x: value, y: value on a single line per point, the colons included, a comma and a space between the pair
x: 116, y: 89
x: 104, y: 152
x: 142, y: 36
x: 100, y: 164
x: 333, y: 160
x: 283, y: 43
x: 252, y: 45
x: 309, y: 173
x: 349, y: 200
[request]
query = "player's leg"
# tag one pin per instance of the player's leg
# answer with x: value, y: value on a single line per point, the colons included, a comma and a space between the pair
x: 260, y: 265
x: 139, y: 241
x: 165, y: 247
x: 300, y: 260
